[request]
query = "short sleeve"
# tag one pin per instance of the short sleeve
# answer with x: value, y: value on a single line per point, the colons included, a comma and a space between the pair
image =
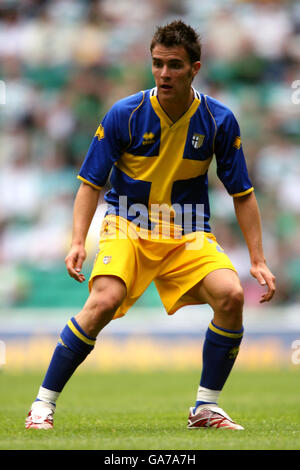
x: 231, y: 164
x: 106, y: 148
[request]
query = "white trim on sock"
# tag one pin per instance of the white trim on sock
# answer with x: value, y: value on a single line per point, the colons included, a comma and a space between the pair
x: 205, y: 394
x: 48, y: 395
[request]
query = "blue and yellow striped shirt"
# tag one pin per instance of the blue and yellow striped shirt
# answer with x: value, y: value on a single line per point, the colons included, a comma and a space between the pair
x: 152, y: 160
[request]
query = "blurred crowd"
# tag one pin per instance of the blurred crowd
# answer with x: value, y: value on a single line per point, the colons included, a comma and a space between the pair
x: 63, y: 63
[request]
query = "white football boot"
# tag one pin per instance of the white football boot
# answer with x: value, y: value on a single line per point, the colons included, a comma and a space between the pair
x: 210, y: 416
x: 40, y: 416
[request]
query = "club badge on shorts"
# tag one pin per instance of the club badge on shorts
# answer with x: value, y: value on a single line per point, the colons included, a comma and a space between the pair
x: 107, y: 259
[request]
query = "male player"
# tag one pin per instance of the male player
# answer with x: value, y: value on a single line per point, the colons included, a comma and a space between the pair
x: 158, y: 145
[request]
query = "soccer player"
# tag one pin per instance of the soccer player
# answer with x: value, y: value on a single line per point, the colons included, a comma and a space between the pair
x: 157, y: 146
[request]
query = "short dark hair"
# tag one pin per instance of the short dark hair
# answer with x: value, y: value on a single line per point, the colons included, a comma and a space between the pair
x: 178, y: 33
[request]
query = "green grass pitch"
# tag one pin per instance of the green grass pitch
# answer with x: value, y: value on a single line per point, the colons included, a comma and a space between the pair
x: 148, y: 410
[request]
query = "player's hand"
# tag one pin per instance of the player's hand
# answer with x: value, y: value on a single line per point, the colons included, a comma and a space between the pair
x: 74, y: 261
x: 265, y: 278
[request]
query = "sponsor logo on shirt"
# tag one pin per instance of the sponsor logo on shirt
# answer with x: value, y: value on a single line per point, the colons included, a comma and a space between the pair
x: 148, y: 138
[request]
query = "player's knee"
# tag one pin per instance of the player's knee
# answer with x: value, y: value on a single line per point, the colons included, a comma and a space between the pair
x: 107, y: 295
x: 98, y: 312
x: 110, y: 303
x: 232, y: 301
x: 105, y: 304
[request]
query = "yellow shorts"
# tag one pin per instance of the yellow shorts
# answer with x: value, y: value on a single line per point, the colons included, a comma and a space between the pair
x: 174, y: 264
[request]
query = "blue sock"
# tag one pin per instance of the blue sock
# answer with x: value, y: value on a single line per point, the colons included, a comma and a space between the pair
x: 220, y: 350
x: 72, y: 348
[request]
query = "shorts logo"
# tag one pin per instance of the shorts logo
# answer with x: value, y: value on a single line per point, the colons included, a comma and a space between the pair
x: 197, y: 140
x: 100, y: 132
x: 107, y: 259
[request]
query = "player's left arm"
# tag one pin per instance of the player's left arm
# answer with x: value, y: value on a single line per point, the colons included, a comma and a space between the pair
x: 248, y: 217
x: 232, y: 171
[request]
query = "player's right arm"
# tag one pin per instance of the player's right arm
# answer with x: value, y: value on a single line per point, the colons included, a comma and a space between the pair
x: 106, y: 148
x: 85, y: 205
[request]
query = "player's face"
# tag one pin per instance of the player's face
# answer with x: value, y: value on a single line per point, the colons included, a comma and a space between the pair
x: 173, y: 71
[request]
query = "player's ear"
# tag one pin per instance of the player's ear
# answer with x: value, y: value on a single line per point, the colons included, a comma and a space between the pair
x: 196, y: 67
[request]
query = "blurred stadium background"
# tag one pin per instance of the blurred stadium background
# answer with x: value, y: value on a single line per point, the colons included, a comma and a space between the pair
x: 63, y: 63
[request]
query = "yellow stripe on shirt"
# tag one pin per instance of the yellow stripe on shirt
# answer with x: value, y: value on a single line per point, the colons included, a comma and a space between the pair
x: 244, y: 193
x: 88, y: 182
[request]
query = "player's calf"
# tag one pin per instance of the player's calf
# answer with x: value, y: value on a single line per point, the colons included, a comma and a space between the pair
x: 76, y: 341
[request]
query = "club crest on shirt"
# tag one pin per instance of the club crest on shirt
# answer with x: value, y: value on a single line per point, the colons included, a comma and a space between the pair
x: 107, y: 259
x: 197, y: 140
x: 100, y: 132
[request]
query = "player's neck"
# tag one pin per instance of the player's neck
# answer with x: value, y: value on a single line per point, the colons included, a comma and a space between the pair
x: 175, y: 109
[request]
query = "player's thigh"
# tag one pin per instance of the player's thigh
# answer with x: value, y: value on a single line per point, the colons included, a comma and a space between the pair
x: 221, y: 289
